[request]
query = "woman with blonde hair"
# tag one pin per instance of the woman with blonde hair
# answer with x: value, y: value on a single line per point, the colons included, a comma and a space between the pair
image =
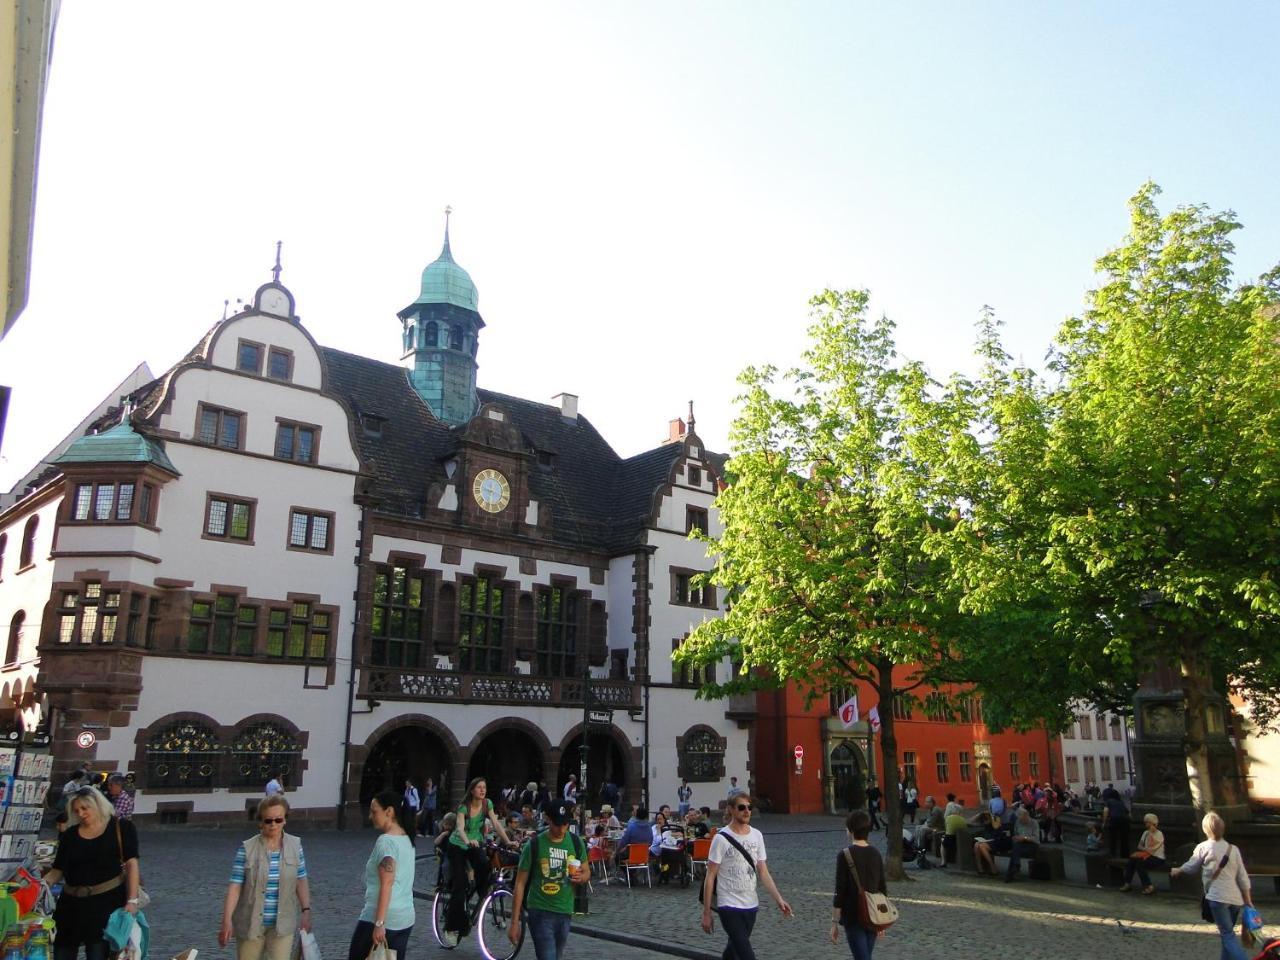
x: 97, y: 861
x: 1226, y: 883
x: 1148, y: 856
x: 268, y: 898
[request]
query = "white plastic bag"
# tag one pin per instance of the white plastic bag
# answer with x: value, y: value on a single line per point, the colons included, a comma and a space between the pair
x: 381, y: 951
x: 310, y: 948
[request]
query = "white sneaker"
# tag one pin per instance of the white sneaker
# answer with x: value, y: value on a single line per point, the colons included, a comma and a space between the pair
x: 451, y: 938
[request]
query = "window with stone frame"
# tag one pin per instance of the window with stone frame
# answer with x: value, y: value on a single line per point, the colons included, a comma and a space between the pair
x: 1086, y: 729
x: 14, y: 646
x: 103, y: 502
x: 1105, y: 764
x: 309, y: 530
x: 696, y: 518
x: 943, y: 764
x: 965, y: 766
x: 28, y: 553
x: 1090, y: 769
x: 219, y: 427
x: 1070, y: 732
x: 227, y: 518
x: 937, y: 708
x: 68, y: 608
x: 1120, y: 769
x: 249, y: 357
x: 903, y: 706
x: 481, y: 626
x: 300, y: 631
x: 1015, y: 766
x: 556, y: 632
x: 280, y: 364
x: 909, y: 766
x: 183, y: 753
x: 222, y: 626
x: 398, y: 617
x: 88, y: 615
x: 689, y: 588
x: 1115, y: 727
x: 1033, y: 765
x: 700, y: 755
x: 1101, y: 723
x: 263, y: 751
x: 296, y: 441
x: 1073, y: 768
x: 684, y: 675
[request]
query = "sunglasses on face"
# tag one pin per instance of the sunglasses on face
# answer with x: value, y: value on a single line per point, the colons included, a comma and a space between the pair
x: 273, y: 819
x: 744, y: 806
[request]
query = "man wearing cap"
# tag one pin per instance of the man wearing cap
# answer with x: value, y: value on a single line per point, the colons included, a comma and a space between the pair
x: 555, y: 860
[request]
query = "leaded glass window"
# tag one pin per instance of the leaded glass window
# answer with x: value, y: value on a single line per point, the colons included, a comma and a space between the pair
x: 398, y: 617
x: 557, y: 632
x: 481, y: 626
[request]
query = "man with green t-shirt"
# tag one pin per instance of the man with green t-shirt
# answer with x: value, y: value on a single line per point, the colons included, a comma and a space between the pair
x: 550, y: 864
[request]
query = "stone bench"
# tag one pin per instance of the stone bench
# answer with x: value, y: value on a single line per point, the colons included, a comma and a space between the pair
x: 1103, y: 870
x: 1051, y: 855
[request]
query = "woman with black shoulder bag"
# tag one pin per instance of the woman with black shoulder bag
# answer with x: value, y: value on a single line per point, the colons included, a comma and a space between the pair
x: 860, y: 904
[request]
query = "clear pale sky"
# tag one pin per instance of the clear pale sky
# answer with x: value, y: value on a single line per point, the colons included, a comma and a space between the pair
x: 646, y: 195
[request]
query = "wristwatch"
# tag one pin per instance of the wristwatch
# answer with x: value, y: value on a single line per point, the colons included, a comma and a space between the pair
x: 379, y: 923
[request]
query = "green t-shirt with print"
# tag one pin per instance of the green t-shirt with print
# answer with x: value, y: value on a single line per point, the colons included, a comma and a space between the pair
x: 549, y: 887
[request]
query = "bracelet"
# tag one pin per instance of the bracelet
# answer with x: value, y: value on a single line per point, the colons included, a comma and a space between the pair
x: 306, y: 909
x: 132, y: 900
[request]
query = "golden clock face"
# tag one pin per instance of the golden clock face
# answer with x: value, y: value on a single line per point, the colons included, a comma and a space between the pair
x: 491, y: 490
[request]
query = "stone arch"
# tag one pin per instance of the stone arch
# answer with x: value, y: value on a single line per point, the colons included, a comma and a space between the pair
x: 398, y: 749
x: 510, y: 750
x: 621, y: 762
x: 846, y: 777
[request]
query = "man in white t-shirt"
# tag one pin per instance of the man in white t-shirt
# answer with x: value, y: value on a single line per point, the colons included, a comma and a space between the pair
x: 734, y: 880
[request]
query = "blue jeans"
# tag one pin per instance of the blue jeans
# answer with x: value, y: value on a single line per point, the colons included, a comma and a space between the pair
x: 549, y: 931
x: 737, y: 925
x: 861, y: 941
x: 1019, y: 850
x: 1225, y: 915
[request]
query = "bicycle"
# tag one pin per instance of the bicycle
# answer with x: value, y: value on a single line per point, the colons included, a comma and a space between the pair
x: 490, y: 918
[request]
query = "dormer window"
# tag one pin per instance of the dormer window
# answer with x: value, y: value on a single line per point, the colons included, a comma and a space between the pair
x: 249, y: 357
x: 372, y: 424
x: 546, y: 459
x: 696, y: 519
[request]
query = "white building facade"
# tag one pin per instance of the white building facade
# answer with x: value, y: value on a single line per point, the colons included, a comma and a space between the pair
x: 1095, y: 750
x: 278, y: 559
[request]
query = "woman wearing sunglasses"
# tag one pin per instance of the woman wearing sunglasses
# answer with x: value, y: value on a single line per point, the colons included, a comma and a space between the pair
x: 268, y: 899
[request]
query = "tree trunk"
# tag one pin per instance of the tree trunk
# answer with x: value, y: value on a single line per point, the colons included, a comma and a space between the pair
x: 1194, y: 682
x: 890, y: 774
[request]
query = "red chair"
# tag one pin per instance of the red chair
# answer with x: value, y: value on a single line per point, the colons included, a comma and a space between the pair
x: 638, y: 859
x: 698, y: 856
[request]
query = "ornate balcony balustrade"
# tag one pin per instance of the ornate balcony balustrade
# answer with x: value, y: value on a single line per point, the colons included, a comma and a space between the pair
x: 403, y: 683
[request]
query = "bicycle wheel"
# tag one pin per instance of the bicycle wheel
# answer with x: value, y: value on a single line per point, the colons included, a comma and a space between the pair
x: 439, y: 910
x: 495, y: 921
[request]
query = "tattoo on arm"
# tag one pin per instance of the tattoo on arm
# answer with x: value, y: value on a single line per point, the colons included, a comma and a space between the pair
x: 387, y: 865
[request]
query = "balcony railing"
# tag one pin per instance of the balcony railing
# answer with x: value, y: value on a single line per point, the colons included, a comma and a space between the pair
x: 402, y: 683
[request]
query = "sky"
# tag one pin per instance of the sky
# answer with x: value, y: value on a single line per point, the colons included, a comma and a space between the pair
x: 646, y: 195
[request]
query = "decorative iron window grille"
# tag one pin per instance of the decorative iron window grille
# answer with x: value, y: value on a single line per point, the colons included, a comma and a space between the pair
x: 702, y: 757
x: 262, y: 751
x: 183, y: 754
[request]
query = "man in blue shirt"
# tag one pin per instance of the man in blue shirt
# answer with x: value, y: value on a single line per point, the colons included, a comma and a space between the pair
x: 638, y: 830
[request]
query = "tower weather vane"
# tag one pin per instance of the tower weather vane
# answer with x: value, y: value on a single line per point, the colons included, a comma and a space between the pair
x: 275, y: 271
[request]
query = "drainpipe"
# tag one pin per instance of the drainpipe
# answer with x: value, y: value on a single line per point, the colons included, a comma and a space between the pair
x: 351, y: 677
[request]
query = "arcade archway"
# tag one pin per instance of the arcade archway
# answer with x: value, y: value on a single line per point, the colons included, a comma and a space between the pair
x: 847, y: 778
x: 409, y: 752
x: 605, y: 761
x: 507, y: 754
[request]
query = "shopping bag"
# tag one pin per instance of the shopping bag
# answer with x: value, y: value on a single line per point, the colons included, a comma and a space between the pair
x: 381, y: 951
x: 310, y: 948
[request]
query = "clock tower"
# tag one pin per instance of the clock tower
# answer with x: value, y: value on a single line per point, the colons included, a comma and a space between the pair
x: 440, y: 333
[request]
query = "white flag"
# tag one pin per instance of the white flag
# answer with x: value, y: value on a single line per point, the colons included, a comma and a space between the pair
x: 873, y: 715
x: 849, y: 712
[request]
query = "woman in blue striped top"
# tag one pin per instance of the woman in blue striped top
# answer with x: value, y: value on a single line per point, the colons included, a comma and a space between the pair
x: 268, y: 899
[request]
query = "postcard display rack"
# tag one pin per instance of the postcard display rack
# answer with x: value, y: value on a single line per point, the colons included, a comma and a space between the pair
x: 25, y: 769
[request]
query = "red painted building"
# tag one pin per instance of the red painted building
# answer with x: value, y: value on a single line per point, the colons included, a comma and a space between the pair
x: 941, y: 752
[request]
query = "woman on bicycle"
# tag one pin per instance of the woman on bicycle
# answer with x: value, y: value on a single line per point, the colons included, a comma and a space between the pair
x: 466, y: 848
x: 388, y: 914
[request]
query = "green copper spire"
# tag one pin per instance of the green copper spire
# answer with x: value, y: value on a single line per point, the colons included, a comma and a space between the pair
x: 445, y: 282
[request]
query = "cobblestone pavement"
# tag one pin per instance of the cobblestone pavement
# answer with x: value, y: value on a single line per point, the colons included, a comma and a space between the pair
x: 944, y: 913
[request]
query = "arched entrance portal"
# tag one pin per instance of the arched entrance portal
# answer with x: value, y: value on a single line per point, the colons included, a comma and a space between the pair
x: 984, y: 783
x: 507, y: 755
x: 405, y: 753
x: 604, y: 762
x: 848, y: 779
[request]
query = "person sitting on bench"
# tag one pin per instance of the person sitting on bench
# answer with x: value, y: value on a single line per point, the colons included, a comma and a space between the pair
x: 1025, y: 843
x: 1148, y: 856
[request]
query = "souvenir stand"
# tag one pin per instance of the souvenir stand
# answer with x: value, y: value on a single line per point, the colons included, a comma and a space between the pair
x: 25, y: 769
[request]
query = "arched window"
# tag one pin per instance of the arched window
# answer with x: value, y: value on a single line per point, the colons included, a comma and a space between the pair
x: 28, y: 542
x: 183, y: 753
x: 455, y: 337
x: 431, y: 335
x: 14, y: 646
x: 262, y: 751
x: 4, y: 545
x: 700, y: 753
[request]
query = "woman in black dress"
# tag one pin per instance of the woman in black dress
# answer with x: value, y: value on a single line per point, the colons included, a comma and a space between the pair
x: 97, y: 862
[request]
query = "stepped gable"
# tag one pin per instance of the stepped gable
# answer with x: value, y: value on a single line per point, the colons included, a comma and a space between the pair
x: 578, y: 483
x: 406, y: 456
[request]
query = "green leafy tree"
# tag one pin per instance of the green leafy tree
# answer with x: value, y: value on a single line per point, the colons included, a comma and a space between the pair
x: 1130, y: 507
x: 825, y: 514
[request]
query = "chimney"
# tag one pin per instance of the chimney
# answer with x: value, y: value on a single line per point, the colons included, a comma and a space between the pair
x: 568, y: 405
x: 675, y: 431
